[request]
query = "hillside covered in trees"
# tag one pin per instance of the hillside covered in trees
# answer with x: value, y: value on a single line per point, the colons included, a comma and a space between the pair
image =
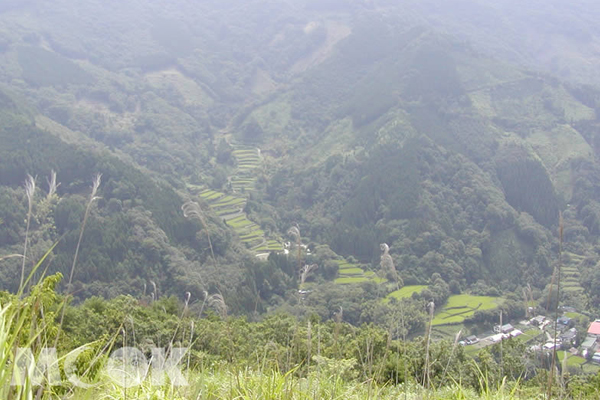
x: 330, y: 161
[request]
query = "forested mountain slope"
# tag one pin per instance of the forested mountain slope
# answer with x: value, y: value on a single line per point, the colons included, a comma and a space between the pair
x: 372, y: 123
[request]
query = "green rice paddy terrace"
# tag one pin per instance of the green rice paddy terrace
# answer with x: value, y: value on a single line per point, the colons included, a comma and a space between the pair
x: 230, y: 206
x: 353, y: 273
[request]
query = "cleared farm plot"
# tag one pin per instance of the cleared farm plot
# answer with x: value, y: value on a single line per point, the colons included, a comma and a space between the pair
x: 230, y: 206
x: 462, y: 306
x: 248, y: 159
x: 230, y: 202
x: 240, y: 222
x: 405, y: 292
x: 210, y: 195
x: 353, y: 273
x: 274, y: 245
x: 570, y: 273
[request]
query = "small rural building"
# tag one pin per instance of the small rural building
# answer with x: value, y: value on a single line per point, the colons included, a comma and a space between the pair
x: 537, y: 321
x: 589, y: 343
x: 551, y: 345
x: 594, y: 329
x: 471, y: 339
x: 507, y: 328
x: 515, y: 333
x: 564, y: 320
x: 569, y: 337
x: 496, y: 338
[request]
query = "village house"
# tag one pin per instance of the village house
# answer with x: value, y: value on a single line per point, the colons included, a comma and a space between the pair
x: 569, y: 338
x: 594, y: 329
x: 471, y: 339
x: 588, y: 346
x: 537, y: 321
x: 564, y: 320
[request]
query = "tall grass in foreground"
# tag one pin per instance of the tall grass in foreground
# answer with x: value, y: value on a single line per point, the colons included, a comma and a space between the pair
x: 256, y: 385
x: 30, y: 321
x: 29, y: 192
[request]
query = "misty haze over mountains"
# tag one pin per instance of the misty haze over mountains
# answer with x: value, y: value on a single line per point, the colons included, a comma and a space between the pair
x: 299, y: 158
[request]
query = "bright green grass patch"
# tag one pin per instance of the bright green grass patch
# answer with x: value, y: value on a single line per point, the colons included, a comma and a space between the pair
x: 276, y: 245
x: 462, y: 306
x: 574, y: 315
x: 573, y: 289
x: 529, y: 335
x: 209, y: 193
x: 405, y: 292
x: 248, y: 161
x: 240, y: 224
x: 351, y: 271
x: 572, y: 361
x: 351, y: 279
x: 213, y: 196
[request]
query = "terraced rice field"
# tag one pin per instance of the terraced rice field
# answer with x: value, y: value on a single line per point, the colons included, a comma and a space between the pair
x: 248, y: 160
x: 230, y: 207
x: 352, y: 273
x: 570, y: 273
x: 462, y: 306
x: 405, y: 292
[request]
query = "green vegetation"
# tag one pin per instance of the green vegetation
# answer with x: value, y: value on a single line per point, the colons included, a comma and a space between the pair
x: 432, y: 128
x: 231, y: 207
x: 572, y: 361
x: 462, y: 306
x: 354, y: 273
x: 405, y: 292
x: 529, y: 335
